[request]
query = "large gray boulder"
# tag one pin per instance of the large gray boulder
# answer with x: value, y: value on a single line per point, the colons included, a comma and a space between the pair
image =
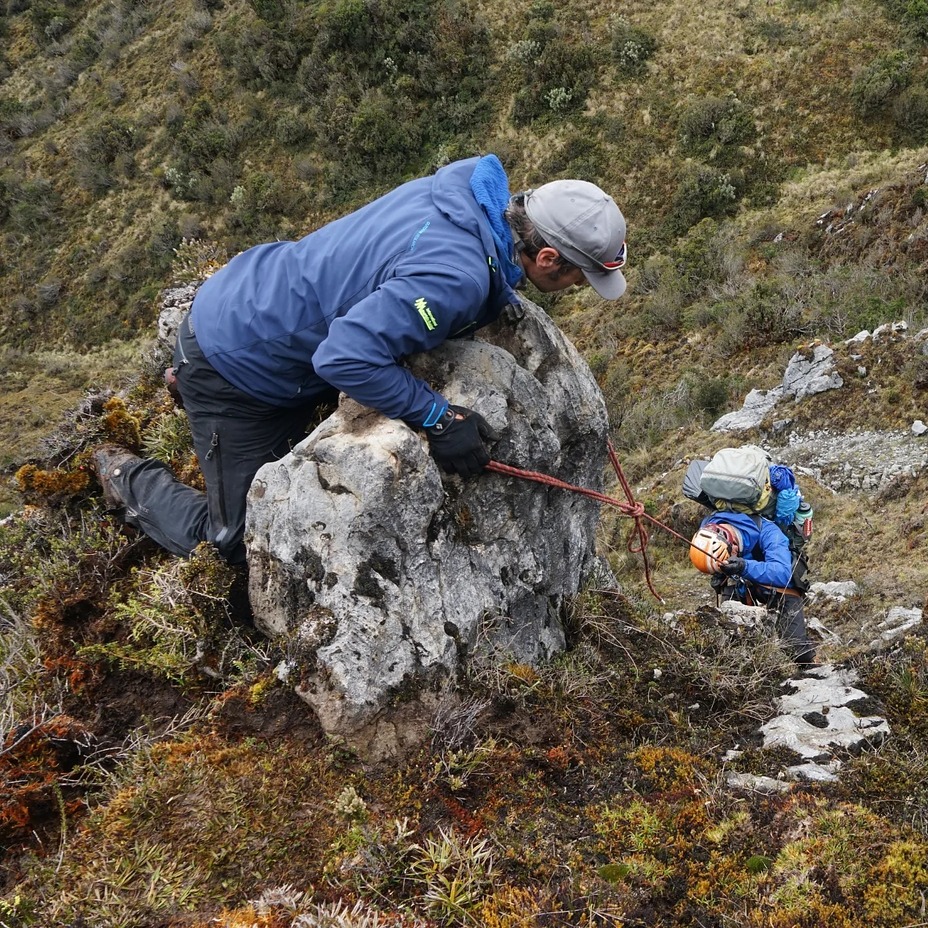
x: 387, y: 579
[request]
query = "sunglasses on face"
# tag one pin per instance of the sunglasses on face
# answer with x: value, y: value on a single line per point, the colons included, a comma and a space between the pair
x: 619, y: 261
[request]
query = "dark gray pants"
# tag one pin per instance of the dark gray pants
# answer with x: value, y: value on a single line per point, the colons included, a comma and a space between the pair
x: 233, y: 436
x: 791, y: 618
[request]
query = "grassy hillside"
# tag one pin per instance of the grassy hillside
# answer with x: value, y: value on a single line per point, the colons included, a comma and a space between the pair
x: 772, y: 163
x: 128, y: 127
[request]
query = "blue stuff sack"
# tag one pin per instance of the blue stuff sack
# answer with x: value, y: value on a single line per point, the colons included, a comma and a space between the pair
x: 787, y: 503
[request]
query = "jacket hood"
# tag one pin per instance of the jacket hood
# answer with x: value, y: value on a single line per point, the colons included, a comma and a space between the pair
x: 463, y: 211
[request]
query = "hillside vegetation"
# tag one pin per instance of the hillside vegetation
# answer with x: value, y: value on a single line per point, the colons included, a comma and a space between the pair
x: 772, y: 162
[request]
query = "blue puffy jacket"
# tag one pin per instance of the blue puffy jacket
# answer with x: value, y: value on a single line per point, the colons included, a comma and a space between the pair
x: 343, y: 305
x: 765, y: 549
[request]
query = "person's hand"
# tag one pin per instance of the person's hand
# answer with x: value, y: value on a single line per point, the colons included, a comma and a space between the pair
x: 733, y: 567
x: 457, y: 441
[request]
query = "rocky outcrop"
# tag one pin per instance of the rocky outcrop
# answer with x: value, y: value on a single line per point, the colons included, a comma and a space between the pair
x: 862, y: 460
x: 754, y: 410
x: 819, y: 721
x: 822, y: 716
x: 805, y: 376
x: 387, y: 579
x: 175, y: 304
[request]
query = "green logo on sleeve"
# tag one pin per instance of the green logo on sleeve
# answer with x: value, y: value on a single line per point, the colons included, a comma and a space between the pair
x: 425, y: 313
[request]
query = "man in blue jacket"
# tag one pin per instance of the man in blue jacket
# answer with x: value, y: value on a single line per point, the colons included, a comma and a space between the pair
x: 285, y: 326
x: 750, y: 560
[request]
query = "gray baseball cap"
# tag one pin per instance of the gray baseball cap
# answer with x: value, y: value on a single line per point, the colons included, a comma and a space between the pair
x: 584, y: 224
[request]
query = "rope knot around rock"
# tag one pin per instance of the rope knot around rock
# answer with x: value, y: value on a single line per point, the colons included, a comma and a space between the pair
x: 637, y: 542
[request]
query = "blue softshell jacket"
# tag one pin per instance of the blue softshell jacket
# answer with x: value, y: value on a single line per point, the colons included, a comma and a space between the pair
x: 344, y: 305
x: 766, y: 553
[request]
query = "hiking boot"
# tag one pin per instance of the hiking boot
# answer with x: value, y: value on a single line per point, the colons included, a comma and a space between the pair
x: 109, y: 462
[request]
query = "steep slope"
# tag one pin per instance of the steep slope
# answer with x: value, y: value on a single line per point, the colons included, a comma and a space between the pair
x: 156, y: 770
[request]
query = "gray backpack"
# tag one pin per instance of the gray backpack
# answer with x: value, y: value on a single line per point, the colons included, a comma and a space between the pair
x: 735, y: 479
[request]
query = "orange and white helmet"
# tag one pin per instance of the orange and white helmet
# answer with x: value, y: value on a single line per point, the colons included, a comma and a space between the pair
x: 712, y: 545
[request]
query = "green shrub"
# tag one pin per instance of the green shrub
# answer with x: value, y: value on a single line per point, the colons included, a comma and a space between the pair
x: 256, y: 200
x: 205, y: 136
x: 910, y: 112
x: 379, y: 82
x: 564, y: 73
x: 348, y: 24
x: 541, y: 10
x: 762, y: 315
x: 64, y: 563
x: 524, y: 53
x: 195, y: 27
x: 215, y: 183
x: 631, y: 47
x: 713, y: 123
x: 50, y: 21
x: 581, y: 156
x: 13, y: 117
x: 702, y: 257
x: 772, y: 32
x: 703, y: 192
x: 269, y: 10
x: 102, y: 151
x: 163, y: 237
x: 267, y: 55
x: 85, y: 50
x: 880, y: 81
x: 31, y: 205
x: 913, y: 13
x: 711, y: 395
x: 368, y: 137
x: 292, y: 129
x: 661, y: 314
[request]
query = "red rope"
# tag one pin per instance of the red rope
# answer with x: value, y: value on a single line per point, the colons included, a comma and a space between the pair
x: 631, y: 508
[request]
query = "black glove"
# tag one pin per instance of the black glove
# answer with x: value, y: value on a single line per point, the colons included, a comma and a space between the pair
x: 733, y: 567
x: 717, y: 582
x: 458, y: 444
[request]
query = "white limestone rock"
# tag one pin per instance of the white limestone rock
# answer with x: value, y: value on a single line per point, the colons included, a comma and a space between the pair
x: 737, y: 614
x: 898, y: 623
x: 757, y: 784
x: 814, y: 773
x: 816, y: 717
x: 175, y: 304
x: 756, y: 406
x: 806, y: 376
x: 834, y: 590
